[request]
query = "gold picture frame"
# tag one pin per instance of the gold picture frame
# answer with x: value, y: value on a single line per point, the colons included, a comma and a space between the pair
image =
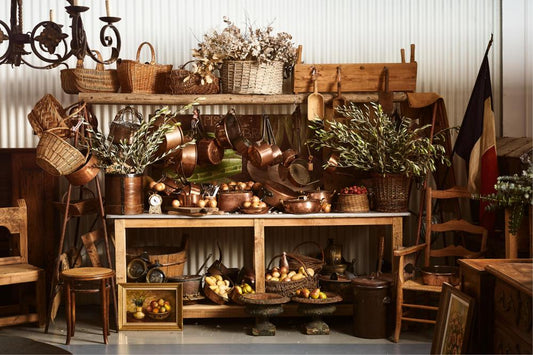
x: 137, y: 298
x: 454, y: 318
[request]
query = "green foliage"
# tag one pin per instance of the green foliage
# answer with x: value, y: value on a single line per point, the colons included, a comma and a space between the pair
x: 133, y: 158
x: 514, y: 193
x: 372, y: 141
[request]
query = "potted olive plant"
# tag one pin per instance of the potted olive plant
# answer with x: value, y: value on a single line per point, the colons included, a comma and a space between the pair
x: 125, y: 161
x: 395, y: 151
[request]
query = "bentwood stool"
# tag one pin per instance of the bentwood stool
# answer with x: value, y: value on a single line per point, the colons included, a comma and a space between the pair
x: 83, y: 280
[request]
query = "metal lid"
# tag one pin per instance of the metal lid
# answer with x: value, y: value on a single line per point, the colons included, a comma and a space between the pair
x: 370, y: 282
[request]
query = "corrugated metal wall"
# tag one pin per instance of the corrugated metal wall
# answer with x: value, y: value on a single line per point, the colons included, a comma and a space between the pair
x: 450, y: 38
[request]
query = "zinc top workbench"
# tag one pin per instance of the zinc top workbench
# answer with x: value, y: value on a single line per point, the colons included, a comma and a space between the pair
x: 255, y: 221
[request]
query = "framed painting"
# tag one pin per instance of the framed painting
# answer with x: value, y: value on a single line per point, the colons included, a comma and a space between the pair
x: 454, y: 318
x: 150, y: 306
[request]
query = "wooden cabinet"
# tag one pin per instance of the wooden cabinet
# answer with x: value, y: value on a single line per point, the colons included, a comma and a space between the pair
x: 512, y: 307
x: 478, y: 283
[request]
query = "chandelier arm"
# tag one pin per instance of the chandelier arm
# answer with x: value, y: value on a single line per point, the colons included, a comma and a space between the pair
x: 48, y: 40
x: 3, y: 37
x: 107, y: 41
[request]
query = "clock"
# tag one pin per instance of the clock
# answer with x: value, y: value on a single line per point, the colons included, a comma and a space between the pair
x: 155, y: 201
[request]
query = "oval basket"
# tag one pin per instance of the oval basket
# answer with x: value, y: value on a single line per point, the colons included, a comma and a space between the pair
x: 250, y: 77
x: 352, y: 203
x: 289, y: 288
x: 215, y: 297
x: 296, y: 259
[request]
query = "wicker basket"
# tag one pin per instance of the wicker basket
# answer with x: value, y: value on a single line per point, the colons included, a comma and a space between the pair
x: 137, y: 77
x: 47, y: 114
x: 295, y: 259
x: 251, y: 77
x: 391, y: 192
x: 74, y: 81
x: 56, y: 156
x: 289, y: 288
x: 178, y: 86
x: 352, y: 203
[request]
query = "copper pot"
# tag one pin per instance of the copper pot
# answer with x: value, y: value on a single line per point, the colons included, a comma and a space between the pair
x: 277, y: 155
x: 288, y: 157
x: 301, y: 205
x: 188, y: 157
x: 275, y: 193
x: 172, y: 140
x: 209, y: 152
x: 299, y: 173
x: 321, y: 195
x: 189, y: 195
x: 85, y: 173
x: 227, y: 130
x: 231, y: 201
x: 242, y: 145
x: 260, y: 154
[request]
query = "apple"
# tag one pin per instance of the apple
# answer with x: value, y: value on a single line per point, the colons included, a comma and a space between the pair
x: 161, y: 302
x: 162, y: 310
x: 154, y: 304
x: 284, y: 269
x: 148, y: 308
x: 167, y: 307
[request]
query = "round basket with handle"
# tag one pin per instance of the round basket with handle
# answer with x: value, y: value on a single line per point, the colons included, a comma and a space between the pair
x: 289, y: 288
x: 182, y: 81
x: 309, y: 261
x: 57, y: 156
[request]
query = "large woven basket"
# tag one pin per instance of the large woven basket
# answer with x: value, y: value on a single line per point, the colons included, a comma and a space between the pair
x: 289, y: 288
x: 352, y: 203
x: 391, y: 192
x: 251, y: 77
x: 183, y: 81
x: 56, y: 156
x: 79, y: 79
x: 48, y: 113
x: 296, y: 259
x: 148, y: 78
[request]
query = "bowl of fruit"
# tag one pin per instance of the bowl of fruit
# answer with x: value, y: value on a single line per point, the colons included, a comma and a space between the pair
x: 239, y: 291
x: 353, y: 199
x: 254, y: 206
x: 217, y: 289
x: 158, y: 309
x: 304, y: 295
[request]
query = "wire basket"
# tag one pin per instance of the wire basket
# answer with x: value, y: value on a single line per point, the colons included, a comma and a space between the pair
x: 391, y: 192
x: 148, y: 78
x: 178, y: 84
x: 251, y: 77
x: 56, y: 156
x: 80, y: 79
x: 352, y: 203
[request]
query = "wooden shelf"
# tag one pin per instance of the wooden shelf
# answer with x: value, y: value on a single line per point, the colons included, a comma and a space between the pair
x: 221, y: 99
x: 235, y: 311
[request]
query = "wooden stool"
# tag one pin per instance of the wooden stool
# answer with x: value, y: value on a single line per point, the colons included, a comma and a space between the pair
x: 72, y: 279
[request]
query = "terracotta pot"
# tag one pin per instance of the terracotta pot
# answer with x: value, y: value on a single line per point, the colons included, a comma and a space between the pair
x: 124, y: 194
x: 301, y: 205
x: 231, y: 201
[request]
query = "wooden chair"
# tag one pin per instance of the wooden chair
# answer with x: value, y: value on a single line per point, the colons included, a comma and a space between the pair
x: 406, y: 279
x: 14, y: 269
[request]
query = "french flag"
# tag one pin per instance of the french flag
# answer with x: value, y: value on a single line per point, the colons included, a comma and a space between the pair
x: 476, y: 142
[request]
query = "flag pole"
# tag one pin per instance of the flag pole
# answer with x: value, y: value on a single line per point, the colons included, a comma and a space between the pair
x: 490, y: 44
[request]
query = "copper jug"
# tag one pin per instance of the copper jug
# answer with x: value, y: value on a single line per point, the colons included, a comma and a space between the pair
x: 333, y: 253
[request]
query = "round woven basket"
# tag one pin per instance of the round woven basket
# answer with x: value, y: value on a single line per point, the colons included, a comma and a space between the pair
x: 56, y: 156
x: 391, y: 192
x: 352, y: 203
x: 289, y: 288
x: 251, y: 77
x: 177, y: 85
x: 295, y: 259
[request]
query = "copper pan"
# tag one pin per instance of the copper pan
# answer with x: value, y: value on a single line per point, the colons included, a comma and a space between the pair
x: 188, y: 157
x: 85, y: 173
x: 288, y: 157
x: 209, y: 152
x: 277, y: 155
x: 242, y: 145
x: 274, y: 193
x: 227, y: 130
x: 260, y: 154
x: 301, y: 205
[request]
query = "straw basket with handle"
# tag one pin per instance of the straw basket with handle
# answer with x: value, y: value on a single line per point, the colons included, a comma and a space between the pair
x: 353, y: 203
x: 48, y: 113
x: 80, y: 79
x: 57, y: 156
x: 183, y: 81
x: 137, y: 77
x: 295, y: 259
x: 289, y: 288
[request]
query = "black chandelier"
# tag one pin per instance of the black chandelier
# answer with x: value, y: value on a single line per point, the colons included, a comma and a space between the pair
x: 49, y: 43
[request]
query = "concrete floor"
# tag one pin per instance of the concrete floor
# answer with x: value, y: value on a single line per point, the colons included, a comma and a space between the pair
x: 220, y: 336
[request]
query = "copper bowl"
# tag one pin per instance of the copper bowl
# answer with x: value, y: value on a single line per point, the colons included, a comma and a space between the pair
x: 275, y: 193
x: 321, y: 195
x: 301, y: 205
x: 438, y: 274
x: 231, y: 201
x: 85, y: 173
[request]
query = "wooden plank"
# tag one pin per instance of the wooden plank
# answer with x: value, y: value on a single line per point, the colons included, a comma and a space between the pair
x: 514, y: 147
x: 235, y: 311
x: 259, y: 254
x: 222, y: 99
x: 356, y: 77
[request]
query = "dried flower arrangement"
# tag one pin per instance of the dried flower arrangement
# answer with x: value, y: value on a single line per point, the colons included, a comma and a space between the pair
x: 372, y: 141
x: 134, y: 157
x: 259, y: 44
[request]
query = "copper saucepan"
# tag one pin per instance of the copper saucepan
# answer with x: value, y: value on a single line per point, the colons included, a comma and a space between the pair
x: 189, y: 195
x: 321, y: 195
x: 188, y: 158
x: 209, y: 152
x: 242, y: 145
x: 260, y: 154
x: 227, y: 130
x: 301, y: 205
x: 230, y: 201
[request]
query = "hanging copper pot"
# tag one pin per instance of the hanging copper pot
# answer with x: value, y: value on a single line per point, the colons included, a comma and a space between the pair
x: 209, y: 152
x: 227, y: 130
x: 260, y: 154
x: 188, y: 158
x: 288, y: 157
x: 242, y: 146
